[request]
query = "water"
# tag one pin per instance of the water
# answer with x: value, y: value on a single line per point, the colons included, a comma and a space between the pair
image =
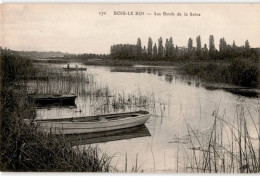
x: 179, y: 104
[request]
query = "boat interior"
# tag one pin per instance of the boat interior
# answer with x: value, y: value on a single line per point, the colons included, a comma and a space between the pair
x: 99, y: 118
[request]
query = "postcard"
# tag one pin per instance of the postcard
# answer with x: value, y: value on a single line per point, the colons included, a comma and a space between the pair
x: 153, y: 88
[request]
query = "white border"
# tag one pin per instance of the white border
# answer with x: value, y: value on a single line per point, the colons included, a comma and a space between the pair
x: 117, y: 175
x: 133, y: 1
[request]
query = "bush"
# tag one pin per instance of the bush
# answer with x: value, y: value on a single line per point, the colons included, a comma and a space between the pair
x: 240, y: 72
x: 244, y: 73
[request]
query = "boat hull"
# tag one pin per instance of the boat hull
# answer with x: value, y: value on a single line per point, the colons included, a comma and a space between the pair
x: 48, y: 100
x: 78, y: 127
x: 74, y: 69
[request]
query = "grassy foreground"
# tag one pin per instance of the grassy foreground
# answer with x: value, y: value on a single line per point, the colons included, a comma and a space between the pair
x: 23, y: 147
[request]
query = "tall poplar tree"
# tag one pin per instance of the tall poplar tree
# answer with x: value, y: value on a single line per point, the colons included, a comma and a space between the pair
x: 155, y: 51
x: 223, y: 48
x: 150, y: 48
x: 198, y: 41
x: 139, y: 48
x: 160, y: 47
x: 247, y: 46
x: 211, y: 46
x: 190, y: 44
x: 171, y: 48
x: 198, y: 50
x: 167, y: 48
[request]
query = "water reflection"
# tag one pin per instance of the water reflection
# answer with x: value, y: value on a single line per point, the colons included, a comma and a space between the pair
x: 246, y: 92
x: 101, y: 137
x: 169, y: 78
x: 169, y: 74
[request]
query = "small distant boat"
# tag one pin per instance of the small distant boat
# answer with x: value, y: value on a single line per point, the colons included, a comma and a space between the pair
x: 74, y: 69
x: 91, y: 124
x: 46, y: 99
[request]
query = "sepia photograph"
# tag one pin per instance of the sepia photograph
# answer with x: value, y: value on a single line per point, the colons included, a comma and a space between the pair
x: 130, y: 88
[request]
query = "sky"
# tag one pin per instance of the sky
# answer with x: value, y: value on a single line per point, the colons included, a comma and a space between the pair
x: 79, y: 28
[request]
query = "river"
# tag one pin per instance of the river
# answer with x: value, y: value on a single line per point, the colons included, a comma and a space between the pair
x: 180, y: 105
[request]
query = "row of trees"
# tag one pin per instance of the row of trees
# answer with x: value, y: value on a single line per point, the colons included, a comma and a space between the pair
x: 171, y: 52
x: 86, y: 56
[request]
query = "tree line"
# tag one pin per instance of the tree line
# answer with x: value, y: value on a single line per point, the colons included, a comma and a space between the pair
x: 86, y: 56
x: 169, y: 51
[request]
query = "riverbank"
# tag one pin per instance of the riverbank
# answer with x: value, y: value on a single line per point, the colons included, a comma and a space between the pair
x: 23, y: 146
x: 238, y: 76
x: 110, y: 62
x: 239, y: 72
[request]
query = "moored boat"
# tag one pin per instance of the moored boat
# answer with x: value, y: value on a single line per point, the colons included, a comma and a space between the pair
x: 47, y: 99
x: 91, y: 124
x: 74, y: 69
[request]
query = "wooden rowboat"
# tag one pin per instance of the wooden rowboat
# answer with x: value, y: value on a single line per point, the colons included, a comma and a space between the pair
x: 74, y: 69
x: 46, y: 99
x: 90, y: 124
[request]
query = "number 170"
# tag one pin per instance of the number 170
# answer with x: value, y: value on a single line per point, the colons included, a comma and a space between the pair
x: 102, y: 13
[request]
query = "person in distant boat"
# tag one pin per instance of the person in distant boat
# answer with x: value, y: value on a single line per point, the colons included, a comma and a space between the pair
x: 77, y: 68
x: 68, y: 66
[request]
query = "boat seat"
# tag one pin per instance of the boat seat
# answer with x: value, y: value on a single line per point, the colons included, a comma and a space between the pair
x: 102, y: 119
x: 74, y: 120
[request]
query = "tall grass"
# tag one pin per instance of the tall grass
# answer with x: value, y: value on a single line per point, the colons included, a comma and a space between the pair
x: 240, y: 72
x: 227, y: 147
x: 24, y: 147
x: 113, y: 102
x: 59, y: 82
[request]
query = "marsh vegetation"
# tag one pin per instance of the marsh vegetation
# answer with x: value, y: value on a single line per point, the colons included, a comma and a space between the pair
x: 24, y: 147
x: 190, y: 129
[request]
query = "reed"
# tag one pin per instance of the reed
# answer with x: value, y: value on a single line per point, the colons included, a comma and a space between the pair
x: 240, y: 72
x: 59, y: 82
x: 229, y: 148
x: 24, y: 147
